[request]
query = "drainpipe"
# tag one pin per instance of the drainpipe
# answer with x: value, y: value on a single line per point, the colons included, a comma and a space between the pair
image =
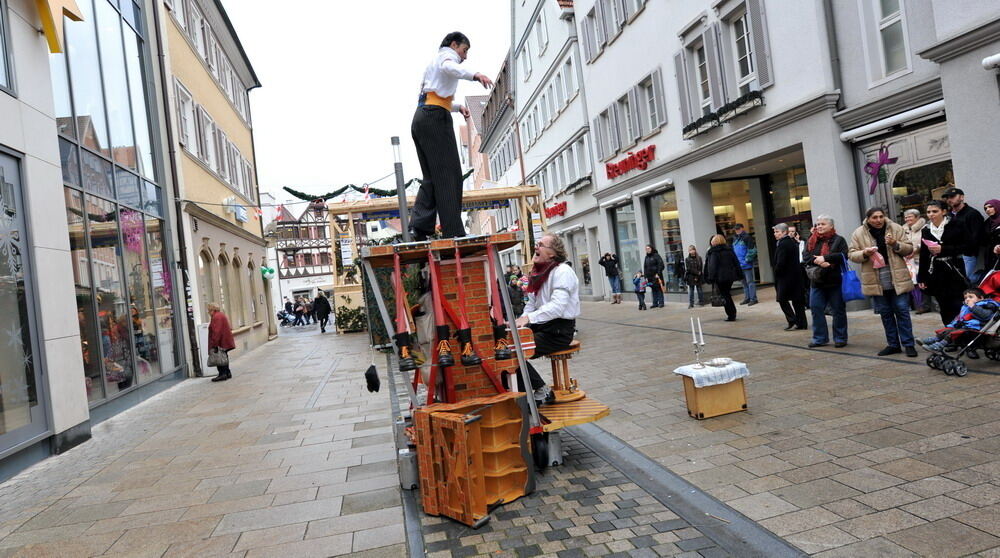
x: 181, y: 242
x: 831, y: 39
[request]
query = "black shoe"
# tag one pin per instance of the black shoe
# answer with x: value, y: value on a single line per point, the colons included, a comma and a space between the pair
x: 471, y: 360
x: 814, y: 345
x: 732, y: 319
x: 322, y: 330
x: 789, y: 327
x: 221, y: 378
x: 690, y: 305
x: 910, y: 351
x: 752, y: 302
x: 840, y: 344
x: 744, y: 301
x: 418, y: 236
x: 890, y: 350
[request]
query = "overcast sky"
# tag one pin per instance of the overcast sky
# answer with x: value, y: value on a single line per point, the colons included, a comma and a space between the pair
x: 340, y: 78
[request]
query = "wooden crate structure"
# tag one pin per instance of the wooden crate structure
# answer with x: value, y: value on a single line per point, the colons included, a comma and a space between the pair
x: 473, y: 455
x: 712, y: 401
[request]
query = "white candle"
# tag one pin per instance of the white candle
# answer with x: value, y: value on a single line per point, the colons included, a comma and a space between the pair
x: 693, y: 338
x: 700, y: 333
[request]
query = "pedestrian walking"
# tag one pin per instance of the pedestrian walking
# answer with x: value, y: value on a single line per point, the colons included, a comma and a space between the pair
x: 652, y: 268
x: 321, y: 307
x: 307, y: 311
x: 722, y: 269
x: 746, y: 252
x: 694, y: 268
x: 299, y: 310
x: 440, y: 194
x: 991, y: 233
x: 793, y: 233
x: 612, y: 270
x: 880, y: 246
x: 289, y: 307
x: 825, y: 258
x: 788, y: 280
x: 941, y: 273
x: 220, y: 339
x: 970, y: 221
x: 912, y: 225
x: 639, y: 283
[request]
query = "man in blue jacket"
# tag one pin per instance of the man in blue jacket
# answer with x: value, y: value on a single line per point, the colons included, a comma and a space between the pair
x: 746, y: 253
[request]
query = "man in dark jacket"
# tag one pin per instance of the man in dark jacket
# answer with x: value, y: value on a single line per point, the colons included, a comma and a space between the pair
x: 321, y: 307
x: 971, y: 222
x: 788, y: 284
x: 746, y: 252
x: 652, y: 268
x: 611, y: 268
x: 825, y: 257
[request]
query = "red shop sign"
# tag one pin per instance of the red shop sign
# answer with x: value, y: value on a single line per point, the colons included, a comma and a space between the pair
x: 635, y: 160
x: 557, y: 209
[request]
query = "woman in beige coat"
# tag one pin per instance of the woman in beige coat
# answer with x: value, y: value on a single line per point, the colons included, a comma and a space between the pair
x: 912, y: 224
x: 880, y: 246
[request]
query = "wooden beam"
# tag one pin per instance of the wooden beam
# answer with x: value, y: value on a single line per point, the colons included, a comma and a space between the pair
x: 392, y: 203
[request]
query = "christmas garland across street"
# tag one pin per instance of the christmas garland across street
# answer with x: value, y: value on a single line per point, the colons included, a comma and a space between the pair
x: 362, y: 189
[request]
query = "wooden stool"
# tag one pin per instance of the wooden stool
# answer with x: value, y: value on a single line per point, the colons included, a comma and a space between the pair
x: 565, y: 387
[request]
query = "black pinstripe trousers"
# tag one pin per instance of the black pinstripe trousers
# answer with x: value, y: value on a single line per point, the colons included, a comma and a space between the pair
x: 440, y: 194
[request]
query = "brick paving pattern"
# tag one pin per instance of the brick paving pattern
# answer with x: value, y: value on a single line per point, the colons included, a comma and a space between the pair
x: 840, y: 453
x: 585, y: 507
x: 271, y: 463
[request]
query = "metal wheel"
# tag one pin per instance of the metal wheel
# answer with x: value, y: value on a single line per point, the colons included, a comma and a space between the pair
x: 932, y: 361
x: 992, y: 354
x: 949, y: 366
x: 960, y: 369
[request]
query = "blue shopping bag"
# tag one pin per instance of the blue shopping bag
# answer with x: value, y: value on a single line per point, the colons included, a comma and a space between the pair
x: 851, y: 285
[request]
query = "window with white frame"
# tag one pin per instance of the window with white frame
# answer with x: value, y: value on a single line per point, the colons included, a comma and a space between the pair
x: 554, y: 106
x: 701, y: 73
x: 625, y: 122
x: 569, y: 78
x: 609, y: 132
x: 525, y: 62
x: 746, y: 72
x: 206, y: 138
x: 179, y: 14
x: 891, y: 36
x: 222, y: 149
x: 543, y: 102
x: 196, y: 22
x: 186, y: 120
x: 614, y: 15
x: 570, y: 160
x: 560, y: 90
x: 541, y: 33
x: 582, y: 160
x: 648, y: 98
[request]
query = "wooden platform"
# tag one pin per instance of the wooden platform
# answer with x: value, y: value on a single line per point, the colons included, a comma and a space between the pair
x: 581, y: 411
x: 416, y: 252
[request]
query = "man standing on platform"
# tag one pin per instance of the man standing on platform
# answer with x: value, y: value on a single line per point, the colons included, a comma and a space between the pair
x: 552, y: 307
x: 440, y: 192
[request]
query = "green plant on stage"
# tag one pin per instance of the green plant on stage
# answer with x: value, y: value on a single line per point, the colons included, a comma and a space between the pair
x: 349, y: 319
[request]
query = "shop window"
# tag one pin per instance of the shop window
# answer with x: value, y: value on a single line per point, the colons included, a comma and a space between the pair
x: 88, y: 88
x: 109, y: 276
x: 162, y: 294
x: 109, y: 34
x: 627, y: 239
x: 892, y: 35
x: 665, y: 230
x: 912, y: 188
x: 141, y: 300
x: 582, y: 262
x: 237, y: 306
x: 90, y: 347
x: 790, y: 201
x: 5, y: 74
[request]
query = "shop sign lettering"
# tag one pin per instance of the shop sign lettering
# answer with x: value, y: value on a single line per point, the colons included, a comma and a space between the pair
x: 556, y: 209
x: 635, y: 160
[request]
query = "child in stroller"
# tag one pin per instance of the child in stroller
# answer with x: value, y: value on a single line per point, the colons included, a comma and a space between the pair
x: 285, y: 317
x: 975, y: 321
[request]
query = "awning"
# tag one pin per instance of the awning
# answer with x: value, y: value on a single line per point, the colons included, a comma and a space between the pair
x: 902, y: 118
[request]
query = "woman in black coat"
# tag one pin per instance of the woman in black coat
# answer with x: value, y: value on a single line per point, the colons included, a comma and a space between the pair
x: 942, y: 271
x: 991, y: 233
x: 652, y: 268
x: 322, y: 308
x: 722, y: 268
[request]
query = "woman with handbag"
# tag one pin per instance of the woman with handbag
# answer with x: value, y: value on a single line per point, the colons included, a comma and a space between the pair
x: 825, y: 257
x: 693, y: 269
x: 220, y: 342
x: 942, y: 271
x: 880, y: 246
x: 722, y: 269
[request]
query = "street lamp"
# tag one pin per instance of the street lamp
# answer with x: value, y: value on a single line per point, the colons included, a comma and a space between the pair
x: 404, y: 218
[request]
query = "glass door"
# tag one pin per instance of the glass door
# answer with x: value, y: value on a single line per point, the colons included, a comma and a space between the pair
x: 22, y: 412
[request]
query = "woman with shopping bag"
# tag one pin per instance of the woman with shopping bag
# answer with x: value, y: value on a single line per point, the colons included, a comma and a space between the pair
x: 881, y: 246
x: 220, y: 342
x: 825, y: 258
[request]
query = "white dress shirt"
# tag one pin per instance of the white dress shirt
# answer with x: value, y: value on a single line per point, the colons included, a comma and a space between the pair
x: 443, y: 73
x: 559, y: 297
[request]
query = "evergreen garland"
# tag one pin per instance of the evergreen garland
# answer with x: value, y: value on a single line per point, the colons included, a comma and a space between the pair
x: 361, y: 189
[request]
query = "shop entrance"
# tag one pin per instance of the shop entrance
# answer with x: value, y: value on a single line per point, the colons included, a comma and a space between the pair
x: 630, y: 254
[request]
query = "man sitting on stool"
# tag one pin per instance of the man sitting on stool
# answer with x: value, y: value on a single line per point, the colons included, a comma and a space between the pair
x: 552, y: 307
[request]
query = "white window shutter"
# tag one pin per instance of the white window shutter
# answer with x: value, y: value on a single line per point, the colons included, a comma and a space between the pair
x: 641, y: 110
x: 715, y: 73
x: 598, y: 138
x: 588, y: 39
x: 659, y: 98
x: 613, y: 130
x: 599, y: 29
x: 622, y: 11
x: 633, y: 102
x: 680, y: 66
x: 761, y: 48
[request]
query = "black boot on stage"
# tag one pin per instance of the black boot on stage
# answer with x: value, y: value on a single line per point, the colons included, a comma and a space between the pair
x: 501, y: 350
x: 406, y: 362
x: 444, y: 347
x: 469, y: 357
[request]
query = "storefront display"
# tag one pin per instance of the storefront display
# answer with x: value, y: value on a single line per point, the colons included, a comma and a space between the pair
x: 630, y: 255
x: 665, y: 229
x: 790, y: 202
x: 581, y: 262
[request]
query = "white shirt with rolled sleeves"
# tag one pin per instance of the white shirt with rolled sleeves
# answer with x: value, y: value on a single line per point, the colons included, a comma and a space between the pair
x: 559, y: 297
x: 442, y: 75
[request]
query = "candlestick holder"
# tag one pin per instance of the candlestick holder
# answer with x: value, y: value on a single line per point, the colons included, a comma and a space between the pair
x: 698, y: 349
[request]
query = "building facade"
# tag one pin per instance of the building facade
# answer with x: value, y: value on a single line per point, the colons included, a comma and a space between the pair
x: 89, y: 270
x: 304, y: 252
x: 210, y: 78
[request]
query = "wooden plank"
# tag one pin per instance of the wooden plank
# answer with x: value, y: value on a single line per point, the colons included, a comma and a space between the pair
x: 470, y: 196
x: 580, y: 411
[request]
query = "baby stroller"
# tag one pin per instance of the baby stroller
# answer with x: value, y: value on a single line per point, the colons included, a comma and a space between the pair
x: 285, y: 317
x: 987, y: 338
